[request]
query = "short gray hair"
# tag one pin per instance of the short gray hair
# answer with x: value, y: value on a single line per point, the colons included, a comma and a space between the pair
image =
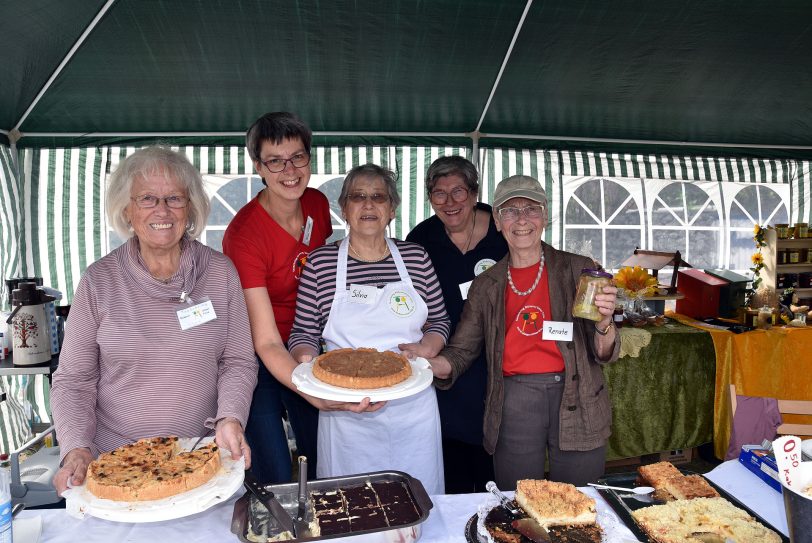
x: 453, y: 165
x: 370, y: 170
x: 149, y: 161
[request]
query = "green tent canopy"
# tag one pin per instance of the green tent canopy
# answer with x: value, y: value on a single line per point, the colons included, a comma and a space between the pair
x: 711, y: 77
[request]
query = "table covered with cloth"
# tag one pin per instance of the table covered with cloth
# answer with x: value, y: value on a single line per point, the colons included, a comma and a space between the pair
x: 775, y: 363
x: 662, y: 399
x: 446, y: 522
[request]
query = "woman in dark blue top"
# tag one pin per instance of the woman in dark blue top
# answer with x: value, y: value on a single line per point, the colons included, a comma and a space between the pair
x: 462, y: 241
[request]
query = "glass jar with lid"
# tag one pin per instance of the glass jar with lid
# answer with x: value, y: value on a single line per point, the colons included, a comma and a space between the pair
x: 590, y: 284
x: 801, y: 230
x: 782, y: 231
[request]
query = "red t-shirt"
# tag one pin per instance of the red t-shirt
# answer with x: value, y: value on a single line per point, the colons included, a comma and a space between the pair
x: 267, y: 256
x: 525, y: 352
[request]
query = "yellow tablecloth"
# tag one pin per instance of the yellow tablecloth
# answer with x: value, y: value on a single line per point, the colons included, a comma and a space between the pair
x: 773, y: 363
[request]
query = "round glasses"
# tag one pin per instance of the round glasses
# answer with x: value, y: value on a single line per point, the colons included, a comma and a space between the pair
x: 276, y: 165
x: 513, y: 213
x: 439, y: 197
x: 148, y: 201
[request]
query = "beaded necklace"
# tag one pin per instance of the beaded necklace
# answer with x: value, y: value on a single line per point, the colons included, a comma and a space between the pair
x: 535, y: 283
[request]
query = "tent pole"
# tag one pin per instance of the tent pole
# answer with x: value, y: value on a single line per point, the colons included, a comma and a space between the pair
x: 504, y: 63
x: 65, y: 61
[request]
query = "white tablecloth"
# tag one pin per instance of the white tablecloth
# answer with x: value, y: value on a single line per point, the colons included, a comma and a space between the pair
x: 446, y: 522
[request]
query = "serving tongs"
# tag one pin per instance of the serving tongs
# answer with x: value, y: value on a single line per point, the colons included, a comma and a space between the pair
x: 268, y: 499
x: 301, y: 528
x: 526, y: 526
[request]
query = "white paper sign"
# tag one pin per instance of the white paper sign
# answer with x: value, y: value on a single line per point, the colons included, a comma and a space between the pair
x: 193, y: 315
x: 308, y: 231
x: 363, y: 294
x: 787, y: 450
x: 557, y: 331
x: 464, y: 288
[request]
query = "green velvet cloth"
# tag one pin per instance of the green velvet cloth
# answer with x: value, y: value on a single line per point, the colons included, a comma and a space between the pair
x: 663, y: 400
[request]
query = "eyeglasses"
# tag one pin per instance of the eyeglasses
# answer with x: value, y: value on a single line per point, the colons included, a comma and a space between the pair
x: 148, y: 201
x: 358, y: 197
x: 458, y: 194
x: 276, y: 165
x: 513, y: 213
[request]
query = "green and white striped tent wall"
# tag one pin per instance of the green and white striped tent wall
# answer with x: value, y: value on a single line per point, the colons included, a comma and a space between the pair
x: 53, y: 222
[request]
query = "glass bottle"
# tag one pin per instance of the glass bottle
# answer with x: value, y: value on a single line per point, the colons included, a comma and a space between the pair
x: 590, y: 284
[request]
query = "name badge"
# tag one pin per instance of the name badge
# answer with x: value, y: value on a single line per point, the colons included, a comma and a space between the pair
x: 464, y: 288
x: 557, y: 331
x: 363, y: 294
x: 308, y: 231
x: 193, y: 315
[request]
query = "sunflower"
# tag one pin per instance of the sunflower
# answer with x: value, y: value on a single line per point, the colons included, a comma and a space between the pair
x: 757, y: 259
x: 636, y: 281
x: 756, y: 229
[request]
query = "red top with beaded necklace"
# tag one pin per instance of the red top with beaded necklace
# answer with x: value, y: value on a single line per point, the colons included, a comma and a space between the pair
x: 525, y: 313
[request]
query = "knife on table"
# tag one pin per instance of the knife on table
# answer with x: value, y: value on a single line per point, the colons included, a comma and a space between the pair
x: 268, y: 499
x: 528, y: 527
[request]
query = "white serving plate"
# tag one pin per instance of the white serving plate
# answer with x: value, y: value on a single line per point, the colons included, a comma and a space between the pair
x: 80, y: 502
x: 420, y: 379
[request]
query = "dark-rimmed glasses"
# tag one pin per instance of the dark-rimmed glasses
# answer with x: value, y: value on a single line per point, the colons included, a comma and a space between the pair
x: 276, y: 165
x: 358, y: 197
x: 513, y: 213
x: 148, y: 201
x: 439, y: 197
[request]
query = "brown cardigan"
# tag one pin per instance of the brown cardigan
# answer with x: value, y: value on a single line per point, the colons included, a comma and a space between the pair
x: 586, y: 412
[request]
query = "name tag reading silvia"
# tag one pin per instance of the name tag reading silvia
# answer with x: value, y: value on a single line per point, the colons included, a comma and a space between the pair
x: 557, y: 331
x: 363, y: 294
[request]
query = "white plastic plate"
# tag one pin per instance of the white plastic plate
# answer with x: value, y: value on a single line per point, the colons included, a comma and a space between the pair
x: 420, y: 379
x: 79, y: 502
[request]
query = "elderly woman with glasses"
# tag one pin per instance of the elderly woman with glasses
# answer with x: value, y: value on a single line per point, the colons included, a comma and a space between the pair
x: 405, y: 307
x: 159, y: 342
x: 462, y: 240
x: 547, y: 399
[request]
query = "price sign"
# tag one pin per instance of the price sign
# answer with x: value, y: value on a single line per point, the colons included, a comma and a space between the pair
x: 787, y: 450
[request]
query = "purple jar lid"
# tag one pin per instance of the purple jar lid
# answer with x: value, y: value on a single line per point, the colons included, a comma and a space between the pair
x: 596, y: 273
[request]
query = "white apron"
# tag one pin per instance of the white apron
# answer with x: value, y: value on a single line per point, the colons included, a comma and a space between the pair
x: 405, y: 434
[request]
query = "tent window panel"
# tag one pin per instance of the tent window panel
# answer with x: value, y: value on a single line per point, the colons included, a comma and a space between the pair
x: 703, y: 249
x: 665, y: 215
x: 585, y: 241
x: 619, y: 245
x: 214, y: 239
x: 669, y: 240
x: 709, y: 216
x: 332, y: 189
x: 628, y: 214
x: 615, y: 197
x: 220, y: 213
x: 741, y: 249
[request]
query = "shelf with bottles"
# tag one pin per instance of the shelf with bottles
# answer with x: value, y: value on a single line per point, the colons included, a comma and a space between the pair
x: 787, y: 256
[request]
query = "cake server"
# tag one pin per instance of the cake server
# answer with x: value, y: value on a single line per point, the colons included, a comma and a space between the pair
x: 527, y: 526
x: 299, y: 523
x: 268, y: 499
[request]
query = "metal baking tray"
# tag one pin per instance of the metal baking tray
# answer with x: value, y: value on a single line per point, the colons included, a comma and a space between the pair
x: 624, y: 503
x: 251, y: 516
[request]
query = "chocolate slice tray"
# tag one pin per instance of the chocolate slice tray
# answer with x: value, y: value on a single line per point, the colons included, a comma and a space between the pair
x: 624, y: 503
x: 251, y: 522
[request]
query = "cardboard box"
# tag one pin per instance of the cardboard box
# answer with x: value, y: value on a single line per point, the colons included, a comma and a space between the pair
x: 761, y: 462
x: 677, y: 456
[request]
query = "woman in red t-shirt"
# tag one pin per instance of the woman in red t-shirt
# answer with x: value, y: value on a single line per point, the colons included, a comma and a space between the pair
x: 269, y: 240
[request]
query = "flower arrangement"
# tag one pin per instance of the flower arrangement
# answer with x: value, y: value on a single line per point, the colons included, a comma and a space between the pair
x: 758, y: 264
x: 636, y: 281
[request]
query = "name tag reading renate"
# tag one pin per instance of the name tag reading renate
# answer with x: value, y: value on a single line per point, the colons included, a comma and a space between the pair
x: 193, y: 315
x: 557, y: 331
x: 363, y: 294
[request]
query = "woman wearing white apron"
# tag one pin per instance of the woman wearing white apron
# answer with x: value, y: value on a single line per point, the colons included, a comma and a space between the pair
x: 403, y: 305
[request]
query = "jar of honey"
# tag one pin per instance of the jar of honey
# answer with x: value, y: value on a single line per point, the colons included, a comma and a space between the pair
x: 801, y: 230
x: 590, y: 284
x: 782, y: 231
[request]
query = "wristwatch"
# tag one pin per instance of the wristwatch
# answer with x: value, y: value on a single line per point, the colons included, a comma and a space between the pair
x: 605, y: 330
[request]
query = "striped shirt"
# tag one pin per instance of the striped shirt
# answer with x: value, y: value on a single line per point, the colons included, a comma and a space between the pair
x: 318, y: 285
x: 128, y: 371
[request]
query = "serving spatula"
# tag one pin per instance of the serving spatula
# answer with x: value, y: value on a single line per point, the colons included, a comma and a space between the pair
x: 528, y: 527
x: 268, y: 499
